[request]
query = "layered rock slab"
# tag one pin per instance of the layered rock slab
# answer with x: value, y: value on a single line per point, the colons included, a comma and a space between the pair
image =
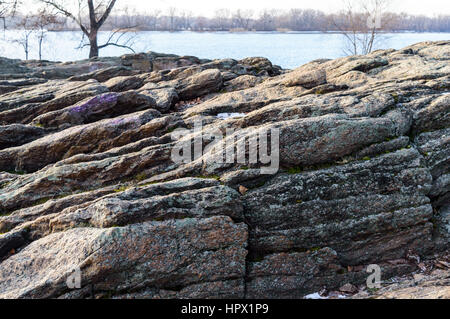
x: 363, y: 177
x: 366, y: 211
x: 165, y: 256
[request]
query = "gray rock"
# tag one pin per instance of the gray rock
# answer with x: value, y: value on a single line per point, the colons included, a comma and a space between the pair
x: 364, y: 174
x: 347, y: 208
x: 164, y: 256
x: 18, y: 134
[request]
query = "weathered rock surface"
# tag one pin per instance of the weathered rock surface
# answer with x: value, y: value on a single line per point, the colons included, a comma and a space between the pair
x: 18, y: 134
x: 87, y: 180
x: 160, y: 255
x: 433, y: 286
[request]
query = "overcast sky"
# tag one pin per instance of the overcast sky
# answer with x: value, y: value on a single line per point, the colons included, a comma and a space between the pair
x: 207, y: 7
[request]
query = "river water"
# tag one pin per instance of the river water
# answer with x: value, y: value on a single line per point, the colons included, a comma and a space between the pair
x: 288, y: 50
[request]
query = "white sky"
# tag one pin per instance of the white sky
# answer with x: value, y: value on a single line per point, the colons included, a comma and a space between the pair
x: 207, y: 7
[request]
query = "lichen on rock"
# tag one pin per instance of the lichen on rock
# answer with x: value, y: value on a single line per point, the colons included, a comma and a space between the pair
x: 87, y: 180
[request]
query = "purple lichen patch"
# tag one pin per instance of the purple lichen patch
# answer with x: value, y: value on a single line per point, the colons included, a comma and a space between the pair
x: 109, y: 99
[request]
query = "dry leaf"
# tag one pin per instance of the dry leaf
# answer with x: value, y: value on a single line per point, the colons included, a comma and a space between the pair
x: 243, y: 190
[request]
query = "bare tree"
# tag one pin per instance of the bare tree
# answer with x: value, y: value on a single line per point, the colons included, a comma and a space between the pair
x: 90, y: 17
x: 172, y: 14
x: 153, y: 18
x: 7, y: 8
x: 242, y: 18
x: 266, y: 20
x: 357, y: 20
x: 185, y: 20
x: 25, y: 26
x: 41, y: 22
x: 200, y: 24
x: 222, y: 19
x: 142, y: 21
x: 361, y: 23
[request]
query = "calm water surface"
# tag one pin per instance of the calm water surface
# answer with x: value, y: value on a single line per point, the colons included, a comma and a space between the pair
x: 288, y: 50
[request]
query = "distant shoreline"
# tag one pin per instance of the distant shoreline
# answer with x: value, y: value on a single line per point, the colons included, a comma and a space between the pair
x: 289, y: 50
x: 247, y: 32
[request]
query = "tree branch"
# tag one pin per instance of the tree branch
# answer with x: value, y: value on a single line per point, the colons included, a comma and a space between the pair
x: 117, y: 45
x: 106, y: 14
x: 67, y: 14
x: 92, y: 18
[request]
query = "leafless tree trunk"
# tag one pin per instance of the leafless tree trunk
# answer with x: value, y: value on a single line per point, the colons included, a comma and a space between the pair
x: 185, y: 20
x: 266, y: 19
x: 221, y: 19
x: 26, y: 30
x: 242, y: 18
x: 172, y: 12
x: 97, y: 16
x: 7, y: 8
x: 153, y: 19
x: 361, y: 22
x: 42, y: 21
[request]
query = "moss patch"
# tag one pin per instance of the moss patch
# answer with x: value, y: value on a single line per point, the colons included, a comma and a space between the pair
x: 16, y: 172
x: 295, y: 170
x: 141, y: 177
x: 121, y: 189
x: 216, y: 177
x: 395, y: 97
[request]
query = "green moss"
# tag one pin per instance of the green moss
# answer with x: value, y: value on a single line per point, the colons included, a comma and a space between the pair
x: 395, y: 97
x: 5, y: 184
x: 372, y: 290
x: 42, y: 201
x: 299, y: 201
x: 141, y: 177
x: 320, y: 91
x: 216, y: 177
x: 39, y: 125
x: 63, y: 196
x: 245, y: 168
x: 367, y: 158
x: 148, y: 184
x: 171, y: 130
x: 259, y: 185
x: 295, y: 170
x: 121, y: 189
x: 16, y: 172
